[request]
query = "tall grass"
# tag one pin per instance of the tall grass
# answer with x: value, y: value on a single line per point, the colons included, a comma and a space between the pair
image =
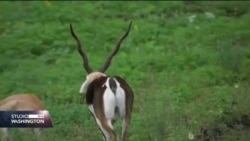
x: 187, y: 62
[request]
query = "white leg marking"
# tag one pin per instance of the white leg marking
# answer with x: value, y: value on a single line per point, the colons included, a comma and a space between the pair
x: 5, y: 136
x: 105, y: 133
x: 37, y: 131
x: 110, y: 124
x: 91, y: 108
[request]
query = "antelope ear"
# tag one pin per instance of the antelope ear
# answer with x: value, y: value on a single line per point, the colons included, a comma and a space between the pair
x: 84, y: 86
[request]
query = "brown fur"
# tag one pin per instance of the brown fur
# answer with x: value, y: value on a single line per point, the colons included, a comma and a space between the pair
x: 20, y: 102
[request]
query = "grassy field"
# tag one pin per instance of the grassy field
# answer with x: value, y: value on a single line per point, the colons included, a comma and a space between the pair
x: 187, y: 62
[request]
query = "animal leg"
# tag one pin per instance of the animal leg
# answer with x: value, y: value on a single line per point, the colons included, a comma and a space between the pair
x: 5, y: 136
x: 125, y: 124
x: 107, y: 129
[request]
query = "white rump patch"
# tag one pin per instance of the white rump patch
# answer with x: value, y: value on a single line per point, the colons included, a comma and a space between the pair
x: 112, y: 101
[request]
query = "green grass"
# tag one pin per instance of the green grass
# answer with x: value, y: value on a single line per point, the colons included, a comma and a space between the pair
x: 183, y: 61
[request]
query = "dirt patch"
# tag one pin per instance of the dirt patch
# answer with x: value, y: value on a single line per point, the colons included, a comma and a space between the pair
x: 216, y: 133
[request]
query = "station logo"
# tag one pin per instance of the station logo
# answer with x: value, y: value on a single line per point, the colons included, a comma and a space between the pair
x: 29, y: 119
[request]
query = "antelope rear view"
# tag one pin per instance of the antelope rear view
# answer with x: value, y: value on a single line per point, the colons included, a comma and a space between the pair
x: 107, y: 97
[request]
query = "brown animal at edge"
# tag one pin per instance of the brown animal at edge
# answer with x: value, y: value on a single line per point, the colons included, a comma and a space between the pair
x: 20, y: 102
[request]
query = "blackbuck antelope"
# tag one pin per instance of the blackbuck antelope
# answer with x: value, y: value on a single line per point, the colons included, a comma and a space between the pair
x: 20, y: 102
x: 108, y: 97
